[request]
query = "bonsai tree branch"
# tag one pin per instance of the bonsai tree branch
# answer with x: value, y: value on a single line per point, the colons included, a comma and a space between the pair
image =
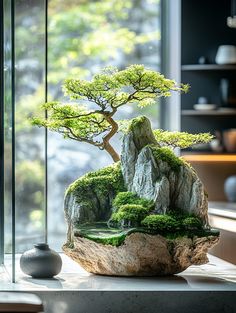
x: 181, y: 140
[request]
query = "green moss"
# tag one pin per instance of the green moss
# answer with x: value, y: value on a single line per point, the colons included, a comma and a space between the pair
x: 130, y: 214
x: 167, y: 155
x: 123, y: 198
x: 129, y: 209
x: 187, y: 221
x: 179, y: 214
x: 136, y: 122
x: 95, y: 191
x: 114, y: 241
x: 191, y: 222
x: 160, y: 223
x: 101, y: 179
x: 101, y: 233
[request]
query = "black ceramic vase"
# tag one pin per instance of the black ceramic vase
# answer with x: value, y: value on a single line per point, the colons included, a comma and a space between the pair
x: 41, y: 262
x: 228, y: 93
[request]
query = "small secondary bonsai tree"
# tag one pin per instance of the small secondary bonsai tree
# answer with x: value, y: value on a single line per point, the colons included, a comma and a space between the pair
x: 108, y: 91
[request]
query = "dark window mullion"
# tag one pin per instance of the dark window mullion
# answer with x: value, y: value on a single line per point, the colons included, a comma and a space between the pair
x: 1, y: 134
x: 13, y: 135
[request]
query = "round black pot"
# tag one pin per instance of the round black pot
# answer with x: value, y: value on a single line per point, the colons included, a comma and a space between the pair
x: 41, y: 262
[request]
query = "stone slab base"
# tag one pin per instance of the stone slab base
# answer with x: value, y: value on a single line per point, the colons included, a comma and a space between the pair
x: 141, y: 255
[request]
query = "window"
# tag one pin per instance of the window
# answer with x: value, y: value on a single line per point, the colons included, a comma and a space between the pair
x: 43, y: 46
x: 85, y: 36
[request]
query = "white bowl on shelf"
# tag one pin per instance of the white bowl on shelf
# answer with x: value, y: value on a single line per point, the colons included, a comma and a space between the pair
x: 226, y: 54
x: 204, y: 106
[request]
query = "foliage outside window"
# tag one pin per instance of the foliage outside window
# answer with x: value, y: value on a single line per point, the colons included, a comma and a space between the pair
x: 83, y: 37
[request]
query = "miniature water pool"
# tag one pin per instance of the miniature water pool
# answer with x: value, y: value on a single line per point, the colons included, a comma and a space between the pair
x: 102, y: 233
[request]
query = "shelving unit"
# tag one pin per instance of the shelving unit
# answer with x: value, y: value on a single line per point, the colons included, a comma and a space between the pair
x: 208, y: 67
x: 209, y: 157
x: 203, y: 39
x: 223, y: 113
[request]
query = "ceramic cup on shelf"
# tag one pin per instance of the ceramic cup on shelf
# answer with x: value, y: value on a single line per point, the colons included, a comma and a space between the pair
x: 229, y: 139
x: 230, y: 188
x: 226, y: 54
x: 41, y: 262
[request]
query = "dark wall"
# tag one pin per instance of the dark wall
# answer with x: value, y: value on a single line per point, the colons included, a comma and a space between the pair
x: 204, y: 28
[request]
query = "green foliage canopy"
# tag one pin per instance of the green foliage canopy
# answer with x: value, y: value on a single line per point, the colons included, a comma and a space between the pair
x: 73, y: 121
x: 180, y: 139
x: 107, y: 90
x: 111, y: 88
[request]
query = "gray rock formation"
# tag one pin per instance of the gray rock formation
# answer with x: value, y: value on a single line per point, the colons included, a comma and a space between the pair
x: 96, y: 208
x: 89, y: 199
x: 152, y: 173
x: 141, y: 255
x: 154, y: 178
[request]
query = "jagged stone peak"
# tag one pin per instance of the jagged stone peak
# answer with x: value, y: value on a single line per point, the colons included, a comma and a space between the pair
x: 155, y: 173
x: 142, y: 134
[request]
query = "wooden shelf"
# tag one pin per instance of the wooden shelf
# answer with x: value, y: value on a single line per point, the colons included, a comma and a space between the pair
x: 204, y: 152
x: 211, y: 157
x: 208, y: 67
x: 229, y: 112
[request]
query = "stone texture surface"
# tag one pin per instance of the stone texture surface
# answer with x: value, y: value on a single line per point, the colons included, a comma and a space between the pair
x: 153, y: 179
x: 141, y: 255
x: 97, y: 208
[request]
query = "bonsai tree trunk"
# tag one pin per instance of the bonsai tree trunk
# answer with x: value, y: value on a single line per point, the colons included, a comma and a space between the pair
x: 114, y: 128
x: 115, y: 156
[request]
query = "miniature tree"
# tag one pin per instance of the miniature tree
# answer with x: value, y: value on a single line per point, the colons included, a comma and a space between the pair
x: 180, y: 139
x: 108, y: 91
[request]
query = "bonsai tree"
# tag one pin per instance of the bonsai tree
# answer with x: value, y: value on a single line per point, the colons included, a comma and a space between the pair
x: 151, y: 191
x: 108, y: 91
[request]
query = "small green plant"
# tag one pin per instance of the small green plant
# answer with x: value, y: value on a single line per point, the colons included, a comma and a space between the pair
x: 192, y: 223
x: 160, y: 223
x: 130, y: 214
x: 127, y: 197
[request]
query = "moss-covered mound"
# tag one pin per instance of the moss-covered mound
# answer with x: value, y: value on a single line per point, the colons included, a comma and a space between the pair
x: 167, y: 155
x: 130, y: 215
x: 89, y: 198
x: 100, y: 180
x: 127, y: 197
x: 129, y: 210
x: 160, y: 223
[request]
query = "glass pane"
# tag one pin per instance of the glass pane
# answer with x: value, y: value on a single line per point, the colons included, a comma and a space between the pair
x: 30, y: 141
x: 7, y: 136
x: 85, y: 36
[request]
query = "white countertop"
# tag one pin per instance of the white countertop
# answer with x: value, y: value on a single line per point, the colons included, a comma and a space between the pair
x: 216, y: 275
